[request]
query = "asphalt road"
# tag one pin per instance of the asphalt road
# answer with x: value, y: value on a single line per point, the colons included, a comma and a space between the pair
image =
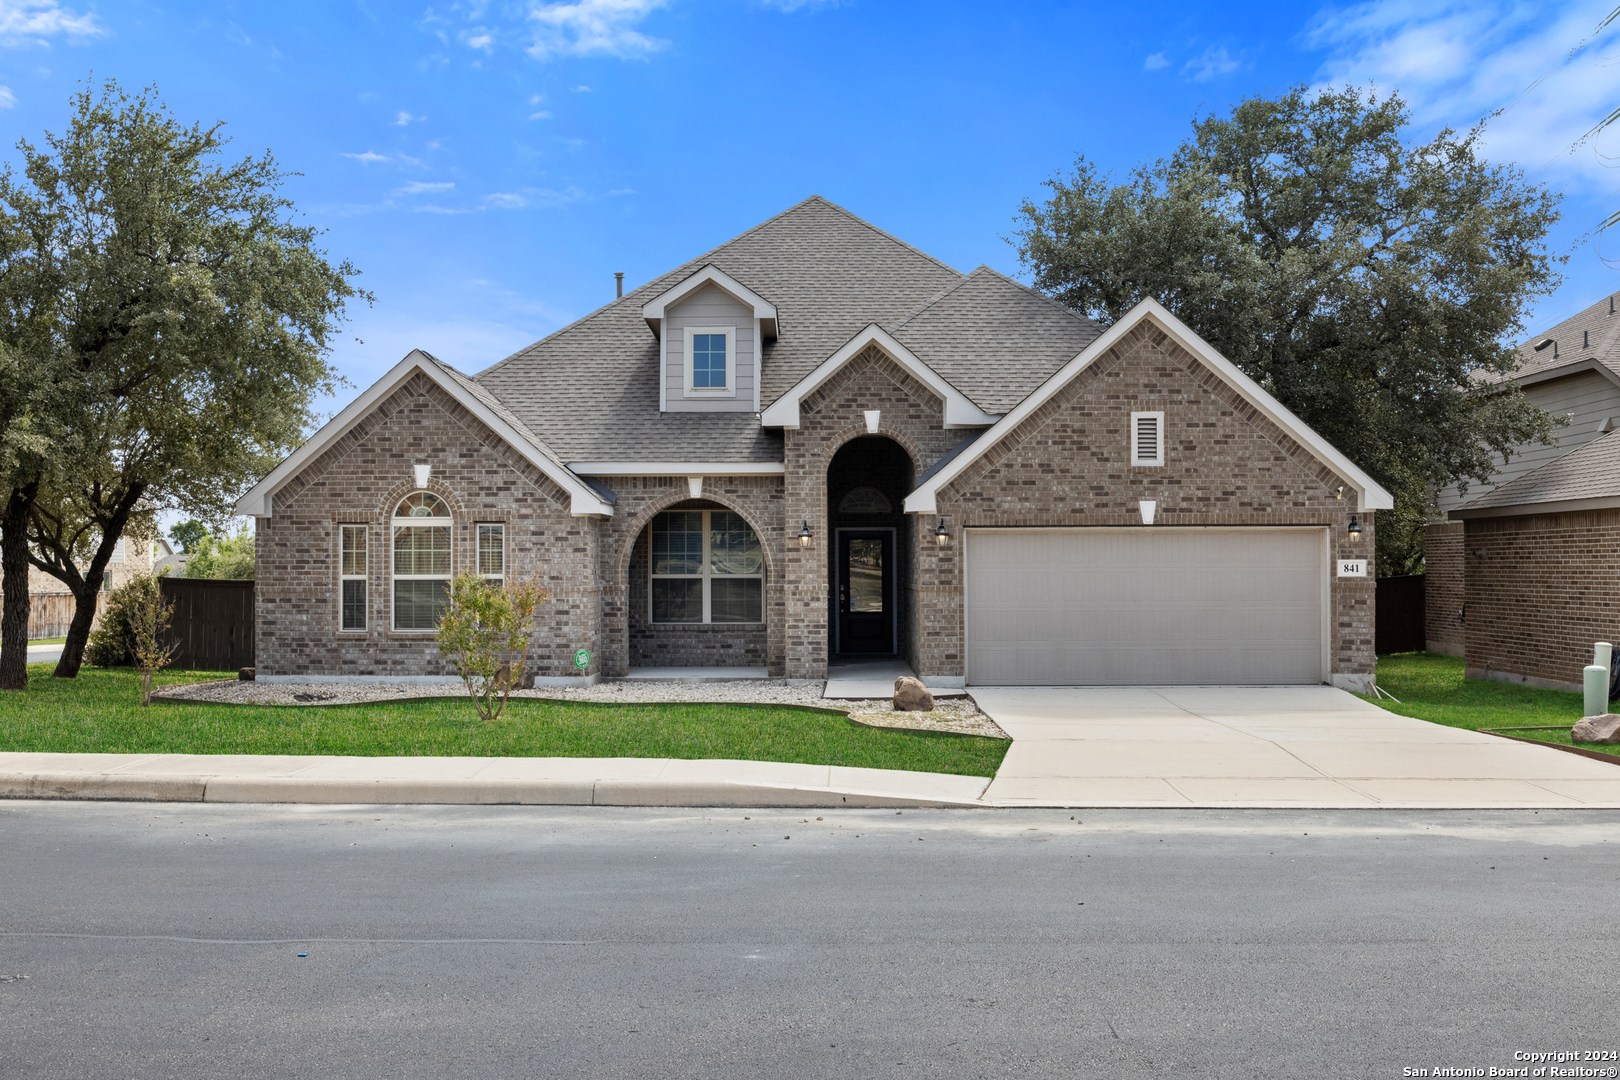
x: 147, y: 940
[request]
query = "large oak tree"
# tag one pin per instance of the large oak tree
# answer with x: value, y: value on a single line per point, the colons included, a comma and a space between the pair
x: 171, y: 318
x: 1372, y: 284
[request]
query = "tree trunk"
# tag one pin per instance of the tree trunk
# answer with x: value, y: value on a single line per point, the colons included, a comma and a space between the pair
x: 78, y: 635
x: 14, y: 585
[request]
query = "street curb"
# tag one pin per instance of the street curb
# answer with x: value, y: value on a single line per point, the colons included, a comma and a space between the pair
x: 538, y: 792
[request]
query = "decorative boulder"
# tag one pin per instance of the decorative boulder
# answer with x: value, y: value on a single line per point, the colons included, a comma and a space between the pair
x: 1597, y: 729
x: 912, y: 696
x: 245, y: 675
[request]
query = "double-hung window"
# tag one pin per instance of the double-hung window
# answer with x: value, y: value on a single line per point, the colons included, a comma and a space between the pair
x: 707, y: 567
x: 352, y: 572
x: 492, y: 553
x: 421, y: 561
x: 710, y: 361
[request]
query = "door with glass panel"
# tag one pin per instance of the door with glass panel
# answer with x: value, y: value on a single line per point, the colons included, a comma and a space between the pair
x: 866, y: 591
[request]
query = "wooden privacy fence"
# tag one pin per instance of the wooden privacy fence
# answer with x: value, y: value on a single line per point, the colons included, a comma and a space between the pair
x: 49, y: 614
x: 1400, y: 615
x: 212, y: 622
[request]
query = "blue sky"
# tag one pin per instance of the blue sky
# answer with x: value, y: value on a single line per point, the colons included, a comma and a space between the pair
x: 488, y: 166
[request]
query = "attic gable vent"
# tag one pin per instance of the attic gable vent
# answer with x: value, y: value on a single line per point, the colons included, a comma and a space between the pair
x: 1147, y: 438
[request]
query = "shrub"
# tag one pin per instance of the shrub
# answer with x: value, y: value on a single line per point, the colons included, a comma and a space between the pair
x: 485, y: 633
x: 109, y: 644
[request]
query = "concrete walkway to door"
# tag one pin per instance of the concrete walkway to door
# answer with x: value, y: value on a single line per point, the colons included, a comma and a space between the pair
x: 1264, y: 746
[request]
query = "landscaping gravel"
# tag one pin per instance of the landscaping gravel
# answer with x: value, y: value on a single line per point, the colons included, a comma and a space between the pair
x: 958, y: 715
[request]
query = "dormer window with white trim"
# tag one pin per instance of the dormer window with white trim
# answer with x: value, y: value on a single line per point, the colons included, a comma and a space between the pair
x: 1147, y: 439
x: 711, y: 361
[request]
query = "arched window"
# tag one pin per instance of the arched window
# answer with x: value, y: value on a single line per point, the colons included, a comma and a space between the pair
x: 707, y: 567
x: 421, y: 561
x: 865, y: 500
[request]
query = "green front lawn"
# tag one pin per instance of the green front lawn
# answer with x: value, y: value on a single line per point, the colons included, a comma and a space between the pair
x: 100, y: 712
x: 1433, y: 688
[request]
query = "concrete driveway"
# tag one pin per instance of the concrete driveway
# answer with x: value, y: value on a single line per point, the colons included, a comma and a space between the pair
x: 1264, y: 746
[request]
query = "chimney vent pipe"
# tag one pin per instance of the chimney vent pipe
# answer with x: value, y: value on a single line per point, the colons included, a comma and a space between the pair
x: 618, y: 280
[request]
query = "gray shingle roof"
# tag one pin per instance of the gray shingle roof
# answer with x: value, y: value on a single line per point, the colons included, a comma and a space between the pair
x: 1591, y: 472
x: 590, y: 390
x: 494, y: 405
x: 1592, y: 334
x: 994, y: 338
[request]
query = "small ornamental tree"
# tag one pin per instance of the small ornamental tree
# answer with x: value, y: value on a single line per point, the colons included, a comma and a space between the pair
x: 486, y: 633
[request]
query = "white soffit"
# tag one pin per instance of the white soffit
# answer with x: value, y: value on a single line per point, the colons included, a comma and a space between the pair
x: 959, y: 411
x: 1371, y: 496
x: 764, y: 310
x: 677, y: 468
x: 258, y: 502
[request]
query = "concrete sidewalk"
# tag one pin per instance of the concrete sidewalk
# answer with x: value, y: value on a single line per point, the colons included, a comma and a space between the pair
x: 555, y: 781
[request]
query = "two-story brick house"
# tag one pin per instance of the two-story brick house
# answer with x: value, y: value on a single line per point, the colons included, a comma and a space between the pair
x: 815, y: 443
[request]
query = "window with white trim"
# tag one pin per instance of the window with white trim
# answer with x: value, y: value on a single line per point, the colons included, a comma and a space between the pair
x: 1147, y: 438
x: 352, y: 577
x: 707, y: 566
x: 711, y: 361
x: 492, y: 553
x: 421, y: 561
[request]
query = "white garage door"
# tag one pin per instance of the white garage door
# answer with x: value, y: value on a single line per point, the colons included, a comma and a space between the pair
x: 1063, y: 607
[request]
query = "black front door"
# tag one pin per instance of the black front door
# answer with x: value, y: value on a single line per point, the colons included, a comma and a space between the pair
x: 866, y: 592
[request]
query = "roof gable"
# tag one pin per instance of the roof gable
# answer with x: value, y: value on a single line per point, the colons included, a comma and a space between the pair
x: 653, y: 310
x: 584, y: 498
x: 1372, y: 496
x: 959, y: 411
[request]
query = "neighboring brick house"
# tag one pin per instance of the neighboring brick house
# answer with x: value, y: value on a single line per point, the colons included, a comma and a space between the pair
x: 816, y: 444
x: 130, y: 559
x: 1521, y: 580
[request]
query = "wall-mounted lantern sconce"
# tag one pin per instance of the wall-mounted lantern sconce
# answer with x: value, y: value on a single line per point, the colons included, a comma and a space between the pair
x: 941, y: 537
x: 1339, y: 494
x: 1355, y: 527
x: 804, y: 535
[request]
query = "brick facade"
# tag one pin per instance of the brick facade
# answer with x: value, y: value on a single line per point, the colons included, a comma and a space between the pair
x: 358, y: 480
x: 1444, y: 589
x: 1067, y: 464
x: 1541, y: 588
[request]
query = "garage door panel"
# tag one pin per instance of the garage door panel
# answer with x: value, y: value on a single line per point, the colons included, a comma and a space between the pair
x: 1052, y: 607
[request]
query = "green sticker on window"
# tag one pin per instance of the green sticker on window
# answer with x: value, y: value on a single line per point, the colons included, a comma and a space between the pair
x: 582, y: 659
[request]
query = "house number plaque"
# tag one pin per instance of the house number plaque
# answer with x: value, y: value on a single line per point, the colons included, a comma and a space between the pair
x: 1352, y: 567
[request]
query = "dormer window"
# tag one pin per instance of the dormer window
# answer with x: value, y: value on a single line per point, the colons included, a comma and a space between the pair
x: 710, y: 355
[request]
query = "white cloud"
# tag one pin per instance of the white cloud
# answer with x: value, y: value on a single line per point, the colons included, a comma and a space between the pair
x: 424, y: 187
x: 480, y: 39
x: 402, y: 119
x: 540, y: 114
x: 537, y: 99
x: 1454, y: 62
x: 788, y: 7
x: 1155, y: 62
x: 40, y: 19
x: 8, y: 100
x: 506, y: 200
x: 371, y: 157
x: 582, y: 89
x: 593, y: 28
x: 1213, y: 63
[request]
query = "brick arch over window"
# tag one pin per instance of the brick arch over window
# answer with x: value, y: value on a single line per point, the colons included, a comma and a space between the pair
x: 633, y: 531
x: 394, y: 495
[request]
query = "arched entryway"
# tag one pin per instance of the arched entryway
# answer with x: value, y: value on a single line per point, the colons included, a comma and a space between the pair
x: 871, y: 600
x: 697, y: 590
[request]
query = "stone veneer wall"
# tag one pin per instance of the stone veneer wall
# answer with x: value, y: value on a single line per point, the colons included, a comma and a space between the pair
x: 358, y: 480
x: 1444, y: 588
x: 684, y: 645
x: 1069, y: 464
x: 1541, y: 588
x: 911, y: 415
x: 758, y: 499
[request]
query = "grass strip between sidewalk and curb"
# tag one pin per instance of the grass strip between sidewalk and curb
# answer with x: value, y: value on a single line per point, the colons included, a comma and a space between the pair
x: 100, y: 712
x: 1434, y: 688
